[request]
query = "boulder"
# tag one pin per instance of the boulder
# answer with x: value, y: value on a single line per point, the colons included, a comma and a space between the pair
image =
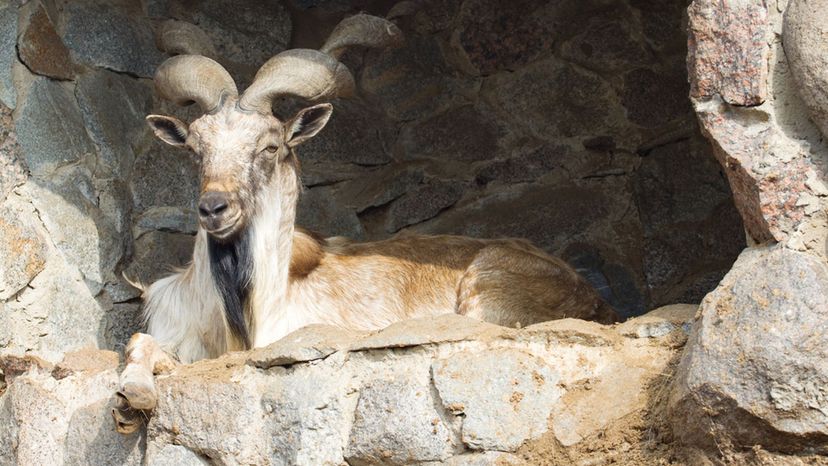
x: 754, y: 370
x: 494, y: 36
x: 50, y: 128
x: 97, y: 33
x: 422, y: 203
x: 23, y: 246
x: 607, y: 42
x: 583, y: 101
x: 397, y: 423
x: 41, y: 49
x: 309, y: 343
x: 505, y: 395
x: 37, y: 317
x: 67, y: 420
x: 467, y: 133
x: 251, y: 35
x: 728, y: 50
x: 164, y: 176
x: 320, y: 209
x: 355, y: 134
x: 157, y: 253
x: 113, y: 107
x: 414, y: 81
x: 77, y: 226
x: 382, y: 187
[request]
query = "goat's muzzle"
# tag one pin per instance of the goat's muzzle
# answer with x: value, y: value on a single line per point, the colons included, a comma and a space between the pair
x: 218, y: 214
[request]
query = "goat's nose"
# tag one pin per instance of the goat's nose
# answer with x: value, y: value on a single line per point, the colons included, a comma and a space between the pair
x: 212, y: 204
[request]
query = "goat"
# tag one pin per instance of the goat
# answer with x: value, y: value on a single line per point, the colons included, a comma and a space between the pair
x: 255, y: 276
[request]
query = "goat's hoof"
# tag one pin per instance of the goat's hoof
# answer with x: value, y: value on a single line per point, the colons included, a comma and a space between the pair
x: 139, y: 394
x: 127, y: 420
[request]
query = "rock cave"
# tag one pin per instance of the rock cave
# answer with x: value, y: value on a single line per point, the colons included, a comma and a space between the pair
x: 671, y: 151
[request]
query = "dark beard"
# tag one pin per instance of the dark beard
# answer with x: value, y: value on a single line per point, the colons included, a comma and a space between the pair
x: 231, y: 265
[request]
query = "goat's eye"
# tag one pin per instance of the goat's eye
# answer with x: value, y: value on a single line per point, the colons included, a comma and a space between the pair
x: 271, y: 149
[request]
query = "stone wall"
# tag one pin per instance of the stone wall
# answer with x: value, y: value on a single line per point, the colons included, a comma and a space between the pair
x: 524, y: 121
x: 561, y: 121
x: 436, y: 391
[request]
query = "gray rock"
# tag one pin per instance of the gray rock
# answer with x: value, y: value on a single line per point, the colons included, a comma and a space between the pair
x: 38, y: 319
x: 23, y: 246
x: 380, y: 187
x: 655, y: 97
x: 523, y: 167
x: 176, y: 455
x: 608, y: 44
x: 115, y: 204
x: 31, y: 410
x: 50, y: 128
x: 505, y: 394
x: 113, y: 107
x: 252, y: 34
x: 414, y: 81
x: 120, y: 323
x: 498, y: 36
x: 308, y: 415
x: 165, y: 177
x: 692, y: 230
x: 40, y: 47
x: 444, y: 328
x: 356, y: 133
x: 8, y: 54
x: 309, y: 343
x: 120, y: 291
x: 77, y: 226
x: 167, y: 219
x: 326, y: 173
x: 98, y: 33
x: 321, y: 210
x: 157, y: 254
x: 754, y: 370
x: 8, y: 436
x: 422, y: 203
x: 578, y: 222
x: 91, y: 438
x: 187, y: 411
x: 569, y: 331
x: 64, y: 421
x: 396, y: 424
x: 468, y: 133
x: 327, y: 5
x: 660, y: 322
x: 584, y: 101
x: 13, y: 171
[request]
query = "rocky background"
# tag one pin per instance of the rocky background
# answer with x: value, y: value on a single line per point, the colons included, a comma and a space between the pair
x: 565, y: 123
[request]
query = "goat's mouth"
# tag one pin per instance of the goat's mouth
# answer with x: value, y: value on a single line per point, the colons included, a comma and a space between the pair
x: 223, y: 230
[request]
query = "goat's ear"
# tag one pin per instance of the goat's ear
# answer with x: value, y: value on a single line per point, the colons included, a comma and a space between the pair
x: 307, y: 123
x: 168, y: 129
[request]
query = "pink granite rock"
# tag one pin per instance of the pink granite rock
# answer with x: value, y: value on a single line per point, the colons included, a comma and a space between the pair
x: 728, y: 50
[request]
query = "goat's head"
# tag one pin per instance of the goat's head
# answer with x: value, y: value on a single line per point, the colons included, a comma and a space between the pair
x: 245, y: 150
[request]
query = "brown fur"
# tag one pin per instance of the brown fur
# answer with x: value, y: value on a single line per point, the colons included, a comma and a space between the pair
x: 508, y: 282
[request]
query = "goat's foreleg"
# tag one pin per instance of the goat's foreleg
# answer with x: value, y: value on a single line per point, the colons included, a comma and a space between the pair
x: 137, y: 394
